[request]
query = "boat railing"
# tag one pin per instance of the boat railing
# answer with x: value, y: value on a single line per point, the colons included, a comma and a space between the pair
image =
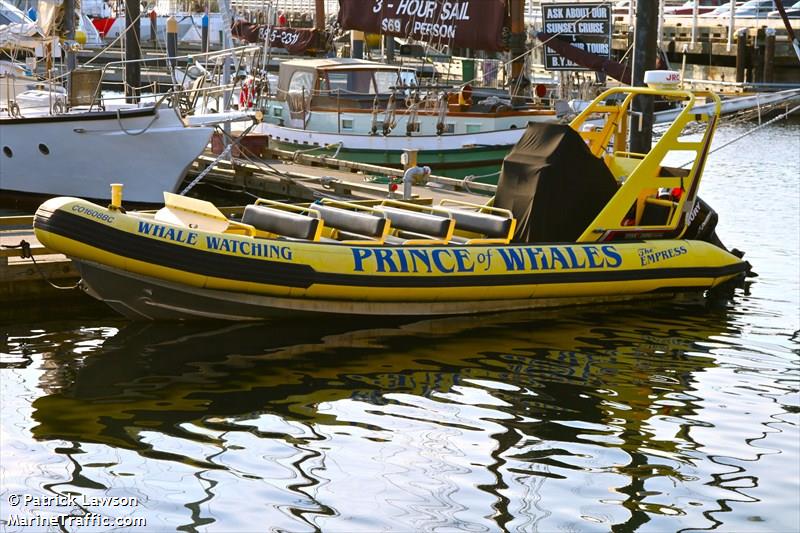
x: 214, y: 57
x: 641, y: 176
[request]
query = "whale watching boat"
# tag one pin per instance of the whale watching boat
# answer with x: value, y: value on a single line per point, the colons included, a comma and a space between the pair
x: 577, y: 219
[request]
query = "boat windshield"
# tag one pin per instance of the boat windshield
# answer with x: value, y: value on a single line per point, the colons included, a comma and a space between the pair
x: 367, y: 82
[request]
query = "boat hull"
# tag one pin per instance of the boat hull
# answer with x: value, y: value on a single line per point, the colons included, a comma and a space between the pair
x: 141, y: 297
x: 148, y: 151
x: 143, y: 265
x: 455, y: 156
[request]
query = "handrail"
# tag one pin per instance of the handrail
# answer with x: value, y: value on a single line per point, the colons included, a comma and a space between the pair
x: 221, y: 53
x: 645, y: 178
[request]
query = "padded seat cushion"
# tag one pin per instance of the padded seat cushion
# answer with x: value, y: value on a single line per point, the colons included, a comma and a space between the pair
x: 284, y: 223
x: 351, y: 221
x: 424, y: 223
x: 492, y: 226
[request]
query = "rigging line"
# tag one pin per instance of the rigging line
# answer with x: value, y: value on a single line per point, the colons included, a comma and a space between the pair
x: 112, y: 43
x: 132, y: 133
x: 263, y: 164
x: 536, y: 45
x: 745, y: 134
x: 221, y: 156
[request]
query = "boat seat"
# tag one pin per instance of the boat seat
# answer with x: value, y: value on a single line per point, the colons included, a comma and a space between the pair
x: 412, y: 226
x: 283, y: 223
x: 355, y: 224
x: 488, y: 225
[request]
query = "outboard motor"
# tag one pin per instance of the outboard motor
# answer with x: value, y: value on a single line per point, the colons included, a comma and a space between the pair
x: 702, y: 224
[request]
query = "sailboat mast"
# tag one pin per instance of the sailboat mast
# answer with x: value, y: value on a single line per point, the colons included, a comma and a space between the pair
x: 132, y: 51
x: 319, y: 15
x: 517, y: 48
x: 69, y: 28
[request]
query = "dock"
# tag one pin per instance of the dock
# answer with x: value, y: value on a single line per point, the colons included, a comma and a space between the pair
x: 306, y: 177
x: 26, y: 265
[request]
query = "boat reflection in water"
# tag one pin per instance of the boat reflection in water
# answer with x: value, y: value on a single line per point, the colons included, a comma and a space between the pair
x: 517, y: 421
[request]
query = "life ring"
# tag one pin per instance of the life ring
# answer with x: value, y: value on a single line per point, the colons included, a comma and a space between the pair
x: 246, y: 94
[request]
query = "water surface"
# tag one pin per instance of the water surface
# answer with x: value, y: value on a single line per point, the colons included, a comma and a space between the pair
x: 652, y: 417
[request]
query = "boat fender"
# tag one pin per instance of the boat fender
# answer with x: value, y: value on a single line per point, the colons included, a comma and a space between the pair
x: 246, y: 94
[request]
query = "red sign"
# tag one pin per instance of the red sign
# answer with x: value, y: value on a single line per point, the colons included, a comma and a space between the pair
x: 476, y: 24
x: 295, y: 40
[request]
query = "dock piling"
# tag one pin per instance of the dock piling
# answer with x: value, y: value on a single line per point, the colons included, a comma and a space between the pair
x: 172, y: 41
x: 204, y: 37
x: 644, y: 58
x: 757, y: 57
x: 741, y: 55
x: 133, y: 53
x: 769, y: 55
x: 357, y: 44
x: 153, y: 27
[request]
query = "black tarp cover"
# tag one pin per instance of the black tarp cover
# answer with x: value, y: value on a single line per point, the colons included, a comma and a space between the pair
x: 553, y: 184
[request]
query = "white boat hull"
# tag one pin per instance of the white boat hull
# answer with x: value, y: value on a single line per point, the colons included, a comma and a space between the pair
x: 80, y: 155
x: 394, y: 143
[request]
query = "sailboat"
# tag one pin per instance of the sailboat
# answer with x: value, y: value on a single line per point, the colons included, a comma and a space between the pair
x: 371, y: 112
x: 70, y: 146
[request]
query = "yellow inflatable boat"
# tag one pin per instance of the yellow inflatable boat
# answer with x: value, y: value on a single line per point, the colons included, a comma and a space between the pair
x: 576, y: 219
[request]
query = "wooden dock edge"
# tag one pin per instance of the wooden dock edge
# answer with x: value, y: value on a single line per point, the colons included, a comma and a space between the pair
x: 20, y: 279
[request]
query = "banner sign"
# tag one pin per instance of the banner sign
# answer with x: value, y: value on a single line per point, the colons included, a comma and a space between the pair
x: 295, y: 40
x: 476, y: 24
x: 584, y: 26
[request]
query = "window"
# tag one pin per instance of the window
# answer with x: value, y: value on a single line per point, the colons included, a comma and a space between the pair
x: 347, y: 123
x: 7, y: 151
x: 301, y: 80
x: 384, y: 80
x: 473, y: 128
x: 362, y: 81
x: 338, y: 82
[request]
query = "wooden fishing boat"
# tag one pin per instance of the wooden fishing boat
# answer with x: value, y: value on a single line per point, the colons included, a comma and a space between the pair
x: 371, y: 112
x: 577, y: 219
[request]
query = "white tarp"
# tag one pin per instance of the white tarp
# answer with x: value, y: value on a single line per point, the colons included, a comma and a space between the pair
x: 21, y: 32
x: 49, y: 14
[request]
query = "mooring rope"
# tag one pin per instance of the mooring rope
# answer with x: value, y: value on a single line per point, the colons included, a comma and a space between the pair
x: 221, y: 156
x: 25, y: 253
